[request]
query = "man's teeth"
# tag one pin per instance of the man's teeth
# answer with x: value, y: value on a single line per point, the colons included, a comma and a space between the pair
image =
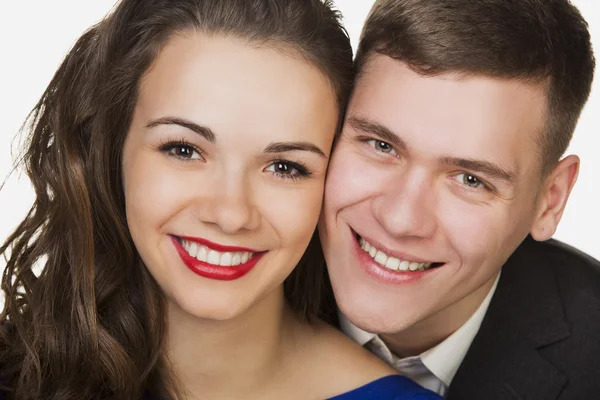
x: 393, y: 263
x: 204, y: 254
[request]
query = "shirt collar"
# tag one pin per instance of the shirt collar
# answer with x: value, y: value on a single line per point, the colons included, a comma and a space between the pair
x: 444, y: 359
x: 354, y: 332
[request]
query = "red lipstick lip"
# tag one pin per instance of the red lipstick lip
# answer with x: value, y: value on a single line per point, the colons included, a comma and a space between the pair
x: 211, y: 271
x: 218, y: 247
x: 381, y: 273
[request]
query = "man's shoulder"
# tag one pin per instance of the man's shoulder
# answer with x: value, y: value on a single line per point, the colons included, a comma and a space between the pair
x: 560, y: 251
x: 576, y: 276
x: 541, y: 328
x: 574, y: 270
x: 552, y: 273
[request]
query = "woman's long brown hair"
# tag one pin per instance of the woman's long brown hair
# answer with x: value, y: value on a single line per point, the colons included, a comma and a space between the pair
x: 89, y: 324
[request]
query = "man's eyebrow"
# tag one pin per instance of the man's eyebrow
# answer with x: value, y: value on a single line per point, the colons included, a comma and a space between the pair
x: 203, y: 131
x: 487, y: 168
x: 374, y: 128
x: 490, y: 169
x: 282, y: 147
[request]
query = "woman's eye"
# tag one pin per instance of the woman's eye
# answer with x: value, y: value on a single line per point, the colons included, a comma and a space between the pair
x: 183, y: 151
x: 288, y: 170
x: 283, y: 168
x: 470, y: 181
x: 382, y: 146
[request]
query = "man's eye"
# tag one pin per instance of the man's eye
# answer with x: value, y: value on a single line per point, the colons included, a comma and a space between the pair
x: 470, y: 181
x: 382, y: 146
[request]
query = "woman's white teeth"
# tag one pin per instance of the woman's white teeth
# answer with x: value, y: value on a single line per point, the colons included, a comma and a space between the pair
x: 392, y: 263
x: 226, y: 259
x: 202, y: 254
x: 213, y: 257
x: 193, y: 250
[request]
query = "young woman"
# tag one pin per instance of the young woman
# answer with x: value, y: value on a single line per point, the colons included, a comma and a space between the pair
x: 178, y: 157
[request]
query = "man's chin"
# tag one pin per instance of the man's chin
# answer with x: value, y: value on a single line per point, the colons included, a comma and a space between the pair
x: 377, y: 320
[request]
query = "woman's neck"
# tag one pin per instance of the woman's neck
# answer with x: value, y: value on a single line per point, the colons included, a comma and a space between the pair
x: 232, y: 358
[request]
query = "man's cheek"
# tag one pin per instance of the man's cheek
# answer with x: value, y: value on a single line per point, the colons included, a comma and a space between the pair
x: 337, y: 183
x: 349, y: 180
x: 472, y: 233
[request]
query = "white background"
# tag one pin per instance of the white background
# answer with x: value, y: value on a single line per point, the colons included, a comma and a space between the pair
x: 36, y: 34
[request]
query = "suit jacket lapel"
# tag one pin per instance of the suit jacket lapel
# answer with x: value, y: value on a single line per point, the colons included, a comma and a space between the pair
x: 525, y: 314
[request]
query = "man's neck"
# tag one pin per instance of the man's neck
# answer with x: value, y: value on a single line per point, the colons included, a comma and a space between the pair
x: 206, y: 354
x: 430, y: 332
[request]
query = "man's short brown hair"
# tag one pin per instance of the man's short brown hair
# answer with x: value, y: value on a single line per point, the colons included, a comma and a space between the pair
x: 540, y: 41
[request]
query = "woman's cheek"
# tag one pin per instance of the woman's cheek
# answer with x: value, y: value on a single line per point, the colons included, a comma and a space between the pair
x: 293, y: 212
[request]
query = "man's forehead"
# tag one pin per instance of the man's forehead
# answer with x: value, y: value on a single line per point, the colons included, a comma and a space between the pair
x: 497, y: 112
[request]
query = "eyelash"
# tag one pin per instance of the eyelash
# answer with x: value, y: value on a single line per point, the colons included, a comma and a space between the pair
x: 302, y: 170
x: 367, y: 140
x: 484, y: 185
x: 169, y: 146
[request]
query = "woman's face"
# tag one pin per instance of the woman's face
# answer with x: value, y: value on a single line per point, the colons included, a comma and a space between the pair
x: 224, y: 167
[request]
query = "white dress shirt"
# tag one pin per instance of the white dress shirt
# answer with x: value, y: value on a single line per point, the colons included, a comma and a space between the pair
x: 435, y: 368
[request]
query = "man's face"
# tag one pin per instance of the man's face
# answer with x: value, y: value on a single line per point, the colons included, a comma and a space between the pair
x: 433, y: 184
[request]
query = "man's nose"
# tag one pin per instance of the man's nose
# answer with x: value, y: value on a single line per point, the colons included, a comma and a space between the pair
x: 405, y: 206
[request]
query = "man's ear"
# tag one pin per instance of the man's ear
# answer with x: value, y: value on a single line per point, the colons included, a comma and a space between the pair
x: 553, y: 198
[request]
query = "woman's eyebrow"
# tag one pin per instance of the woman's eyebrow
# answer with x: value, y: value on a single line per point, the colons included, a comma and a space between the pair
x: 201, y: 130
x: 281, y: 147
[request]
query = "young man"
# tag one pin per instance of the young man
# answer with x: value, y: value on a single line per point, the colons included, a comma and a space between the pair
x: 444, y: 191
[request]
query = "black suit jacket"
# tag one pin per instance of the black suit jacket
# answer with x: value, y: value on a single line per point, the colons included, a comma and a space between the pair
x: 540, y: 338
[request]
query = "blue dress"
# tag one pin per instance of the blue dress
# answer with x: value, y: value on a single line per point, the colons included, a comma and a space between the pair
x: 393, y: 387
